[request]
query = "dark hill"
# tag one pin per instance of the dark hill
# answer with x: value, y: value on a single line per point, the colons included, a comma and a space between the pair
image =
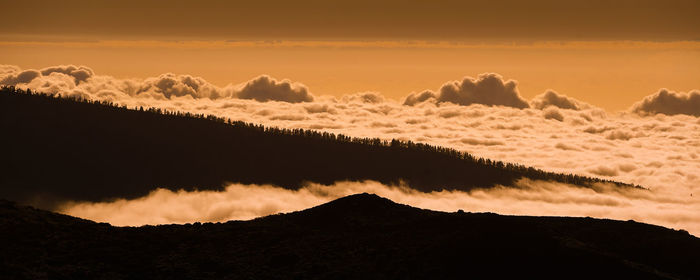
x: 55, y: 148
x: 356, y: 237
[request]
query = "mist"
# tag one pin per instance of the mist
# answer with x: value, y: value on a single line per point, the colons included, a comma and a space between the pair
x: 538, y: 198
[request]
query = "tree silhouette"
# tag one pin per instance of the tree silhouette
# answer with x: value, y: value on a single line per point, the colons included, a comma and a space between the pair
x: 94, y: 150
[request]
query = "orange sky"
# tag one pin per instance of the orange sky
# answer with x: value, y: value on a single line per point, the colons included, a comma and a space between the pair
x: 357, y: 19
x: 608, y: 53
x: 612, y: 75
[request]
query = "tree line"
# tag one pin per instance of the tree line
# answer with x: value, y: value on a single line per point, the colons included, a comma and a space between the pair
x: 79, y: 149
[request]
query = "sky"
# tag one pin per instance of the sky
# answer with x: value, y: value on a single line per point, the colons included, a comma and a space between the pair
x: 599, y: 88
x: 358, y: 19
x: 609, y: 53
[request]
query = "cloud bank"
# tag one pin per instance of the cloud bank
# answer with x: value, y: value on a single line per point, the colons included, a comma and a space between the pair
x: 264, y: 88
x: 80, y: 81
x: 487, y: 89
x: 242, y: 202
x: 552, y: 132
x: 670, y: 103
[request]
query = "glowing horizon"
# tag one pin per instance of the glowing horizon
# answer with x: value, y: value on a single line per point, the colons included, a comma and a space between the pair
x: 611, y: 74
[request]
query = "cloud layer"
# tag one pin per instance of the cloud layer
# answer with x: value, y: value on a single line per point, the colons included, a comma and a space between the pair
x: 242, y: 202
x: 484, y: 116
x: 80, y: 81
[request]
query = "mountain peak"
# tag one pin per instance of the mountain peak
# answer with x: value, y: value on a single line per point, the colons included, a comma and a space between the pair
x: 364, y: 199
x: 360, y: 203
x: 357, y: 208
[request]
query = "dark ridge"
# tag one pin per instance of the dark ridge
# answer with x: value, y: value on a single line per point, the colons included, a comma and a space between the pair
x: 357, y: 204
x: 343, y: 240
x: 56, y: 148
x: 352, y: 209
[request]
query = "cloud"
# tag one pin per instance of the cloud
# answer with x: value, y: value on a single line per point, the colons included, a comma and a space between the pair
x: 79, y: 73
x: 484, y: 142
x: 242, y: 202
x: 552, y: 113
x: 364, y: 97
x: 264, y: 88
x: 604, y: 171
x: 552, y: 98
x: 171, y: 85
x: 80, y: 81
x: 659, y: 152
x: 487, y: 89
x: 622, y: 135
x: 415, y: 98
x: 22, y: 77
x: 8, y: 69
x: 566, y: 147
x: 669, y: 103
x: 320, y: 108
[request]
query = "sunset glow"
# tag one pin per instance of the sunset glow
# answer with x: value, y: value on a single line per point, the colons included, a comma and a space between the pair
x: 155, y: 112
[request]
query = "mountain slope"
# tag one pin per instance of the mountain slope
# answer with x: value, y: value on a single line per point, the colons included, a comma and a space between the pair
x: 359, y: 236
x: 57, y: 148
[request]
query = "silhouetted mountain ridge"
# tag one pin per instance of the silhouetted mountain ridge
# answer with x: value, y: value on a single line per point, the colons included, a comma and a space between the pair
x: 357, y: 208
x: 342, y: 240
x: 363, y: 204
x: 56, y: 149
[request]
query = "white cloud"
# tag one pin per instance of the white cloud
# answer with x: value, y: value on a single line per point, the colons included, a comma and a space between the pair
x: 487, y: 89
x: 265, y: 88
x: 552, y: 98
x: 241, y: 202
x: 79, y: 73
x: 81, y: 81
x: 19, y: 77
x: 553, y: 113
x: 670, y: 103
x: 661, y: 152
x: 364, y: 97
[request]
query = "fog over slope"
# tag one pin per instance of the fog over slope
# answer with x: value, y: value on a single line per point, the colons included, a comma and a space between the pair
x: 483, y: 115
x: 241, y: 202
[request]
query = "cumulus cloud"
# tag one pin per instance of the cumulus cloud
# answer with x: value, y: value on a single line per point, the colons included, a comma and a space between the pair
x: 19, y: 77
x: 553, y: 113
x: 552, y: 98
x: 79, y: 73
x: 264, y: 88
x: 242, y: 202
x: 364, y: 97
x: 669, y: 103
x: 170, y: 85
x: 81, y: 81
x: 8, y: 69
x: 487, y: 89
x: 416, y: 98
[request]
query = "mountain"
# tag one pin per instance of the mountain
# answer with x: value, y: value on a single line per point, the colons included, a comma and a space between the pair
x: 57, y: 149
x: 361, y: 236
